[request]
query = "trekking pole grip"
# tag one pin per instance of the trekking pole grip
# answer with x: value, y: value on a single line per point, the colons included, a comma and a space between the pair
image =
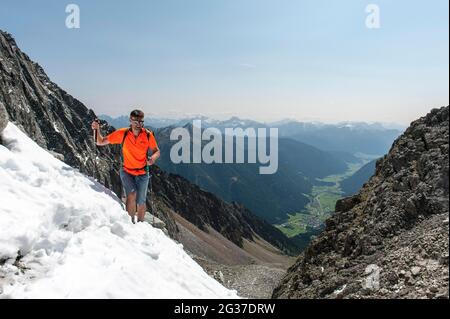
x: 95, y: 132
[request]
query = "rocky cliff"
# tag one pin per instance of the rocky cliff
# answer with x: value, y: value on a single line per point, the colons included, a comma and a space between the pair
x: 391, y: 240
x: 50, y: 116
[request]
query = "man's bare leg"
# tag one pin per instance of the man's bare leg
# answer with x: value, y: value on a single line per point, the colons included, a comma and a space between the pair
x: 141, y: 209
x: 131, y: 206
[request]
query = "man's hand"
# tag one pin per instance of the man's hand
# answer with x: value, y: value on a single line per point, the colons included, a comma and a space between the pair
x: 150, y: 161
x: 100, y: 140
x: 95, y: 125
x: 154, y: 157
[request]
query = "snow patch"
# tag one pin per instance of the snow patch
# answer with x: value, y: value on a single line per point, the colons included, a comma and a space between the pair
x: 63, y: 235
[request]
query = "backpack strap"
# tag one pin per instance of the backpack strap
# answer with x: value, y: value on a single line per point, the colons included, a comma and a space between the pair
x: 124, y: 137
x: 148, y: 132
x: 121, y: 144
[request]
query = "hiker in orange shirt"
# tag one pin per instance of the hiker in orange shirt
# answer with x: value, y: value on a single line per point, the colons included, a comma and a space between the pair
x: 135, y: 142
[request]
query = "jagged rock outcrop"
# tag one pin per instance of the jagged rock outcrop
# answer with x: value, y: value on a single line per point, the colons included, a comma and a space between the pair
x: 391, y: 240
x: 62, y: 125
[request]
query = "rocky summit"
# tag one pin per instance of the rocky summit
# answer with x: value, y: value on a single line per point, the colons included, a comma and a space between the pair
x: 391, y: 240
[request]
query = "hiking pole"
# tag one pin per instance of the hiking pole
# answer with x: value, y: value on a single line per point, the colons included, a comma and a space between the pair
x: 95, y: 132
x: 152, y: 207
x: 153, y: 210
x: 95, y: 149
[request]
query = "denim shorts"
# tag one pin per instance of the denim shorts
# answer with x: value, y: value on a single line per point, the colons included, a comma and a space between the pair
x: 135, y: 184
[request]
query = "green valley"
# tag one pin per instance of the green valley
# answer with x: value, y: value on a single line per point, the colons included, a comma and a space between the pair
x: 322, y: 201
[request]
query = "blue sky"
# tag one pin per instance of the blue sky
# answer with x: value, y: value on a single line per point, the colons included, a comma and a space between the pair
x: 259, y: 59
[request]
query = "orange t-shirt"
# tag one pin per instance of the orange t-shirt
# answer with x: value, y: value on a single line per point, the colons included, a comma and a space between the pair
x: 134, y: 149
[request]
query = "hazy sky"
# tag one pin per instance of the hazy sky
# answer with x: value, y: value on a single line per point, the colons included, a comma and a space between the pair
x: 257, y: 59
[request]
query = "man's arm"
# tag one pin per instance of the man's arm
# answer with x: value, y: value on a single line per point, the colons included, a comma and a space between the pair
x: 155, y: 149
x: 100, y: 139
x: 156, y: 154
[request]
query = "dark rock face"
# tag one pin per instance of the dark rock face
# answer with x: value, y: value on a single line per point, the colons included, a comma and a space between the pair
x: 391, y: 239
x: 61, y: 124
x: 3, y: 119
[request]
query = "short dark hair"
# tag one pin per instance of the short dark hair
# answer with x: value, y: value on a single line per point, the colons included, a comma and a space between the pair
x: 137, y: 113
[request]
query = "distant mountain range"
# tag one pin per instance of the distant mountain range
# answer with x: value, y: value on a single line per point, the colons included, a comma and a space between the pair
x: 349, y: 137
x: 307, y: 152
x: 269, y: 196
x: 352, y: 138
x: 154, y: 123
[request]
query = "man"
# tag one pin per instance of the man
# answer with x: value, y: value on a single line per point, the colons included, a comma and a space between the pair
x: 135, y: 141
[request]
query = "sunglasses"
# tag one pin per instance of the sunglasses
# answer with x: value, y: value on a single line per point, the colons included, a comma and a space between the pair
x: 136, y: 122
